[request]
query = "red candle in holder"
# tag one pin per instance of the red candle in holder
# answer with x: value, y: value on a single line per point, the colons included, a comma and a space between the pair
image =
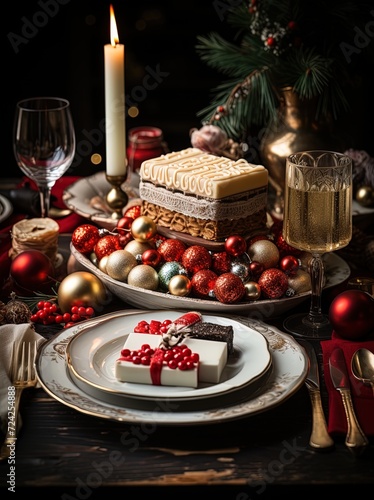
x: 144, y: 143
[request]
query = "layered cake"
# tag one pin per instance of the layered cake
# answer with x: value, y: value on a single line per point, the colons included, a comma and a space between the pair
x: 203, y: 195
x: 213, y: 331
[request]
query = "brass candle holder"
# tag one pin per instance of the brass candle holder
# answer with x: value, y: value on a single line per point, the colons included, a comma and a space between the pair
x: 116, y: 198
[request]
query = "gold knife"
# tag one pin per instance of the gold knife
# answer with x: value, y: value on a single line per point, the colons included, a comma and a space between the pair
x: 320, y: 439
x: 355, y: 440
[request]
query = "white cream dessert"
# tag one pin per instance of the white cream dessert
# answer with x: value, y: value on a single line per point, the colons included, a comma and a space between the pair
x: 204, y: 195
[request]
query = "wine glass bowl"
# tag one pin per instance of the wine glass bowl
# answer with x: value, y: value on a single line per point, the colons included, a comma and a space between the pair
x: 317, y: 219
x: 44, y: 142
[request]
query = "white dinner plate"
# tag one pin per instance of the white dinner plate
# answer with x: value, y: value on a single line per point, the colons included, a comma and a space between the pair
x: 289, y: 370
x: 91, y: 356
x: 6, y: 208
x: 336, y: 272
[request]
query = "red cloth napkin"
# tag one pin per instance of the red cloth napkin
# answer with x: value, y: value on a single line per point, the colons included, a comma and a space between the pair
x: 67, y: 224
x: 362, y: 395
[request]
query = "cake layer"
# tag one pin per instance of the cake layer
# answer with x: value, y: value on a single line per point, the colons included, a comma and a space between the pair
x: 212, y: 360
x: 212, y: 331
x: 192, y: 171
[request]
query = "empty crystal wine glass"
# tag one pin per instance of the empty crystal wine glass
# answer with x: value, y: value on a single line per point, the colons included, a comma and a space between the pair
x: 44, y: 142
x: 317, y: 219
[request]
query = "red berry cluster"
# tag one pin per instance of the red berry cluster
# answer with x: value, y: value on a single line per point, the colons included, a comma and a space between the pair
x: 179, y: 356
x: 153, y: 327
x: 49, y: 313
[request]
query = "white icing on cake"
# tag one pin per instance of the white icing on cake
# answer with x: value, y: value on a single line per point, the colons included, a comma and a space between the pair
x: 192, y: 171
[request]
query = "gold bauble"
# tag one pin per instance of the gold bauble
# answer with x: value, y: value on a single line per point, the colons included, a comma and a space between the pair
x: 252, y: 290
x: 137, y: 247
x: 305, y: 259
x: 119, y: 264
x: 102, y: 263
x: 265, y: 252
x: 300, y: 281
x: 179, y: 285
x: 143, y: 228
x: 81, y: 289
x: 365, y: 196
x: 143, y: 276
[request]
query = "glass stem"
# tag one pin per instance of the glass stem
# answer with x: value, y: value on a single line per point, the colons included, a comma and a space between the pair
x: 45, y: 200
x: 316, y: 276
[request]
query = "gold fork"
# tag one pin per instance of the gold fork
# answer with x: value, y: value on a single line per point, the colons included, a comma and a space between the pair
x: 23, y: 376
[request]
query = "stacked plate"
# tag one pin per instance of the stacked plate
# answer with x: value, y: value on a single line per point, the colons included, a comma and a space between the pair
x: 76, y: 367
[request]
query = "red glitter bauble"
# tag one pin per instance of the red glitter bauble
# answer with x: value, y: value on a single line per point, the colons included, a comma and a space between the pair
x: 289, y: 264
x: 85, y: 237
x: 286, y: 249
x: 221, y: 262
x: 151, y: 257
x: 195, y: 258
x: 32, y: 270
x: 172, y: 250
x: 107, y: 245
x: 351, y: 314
x: 203, y: 282
x: 273, y: 283
x: 256, y: 269
x: 235, y: 245
x: 133, y: 212
x: 229, y: 288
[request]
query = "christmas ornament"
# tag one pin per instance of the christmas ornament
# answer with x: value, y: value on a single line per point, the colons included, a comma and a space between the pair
x: 14, y: 312
x: 102, y: 264
x: 143, y: 276
x: 124, y: 239
x: 235, y: 245
x: 265, y: 252
x: 300, y: 281
x: 256, y: 269
x: 167, y: 271
x: 305, y: 259
x: 240, y: 268
x: 82, y: 289
x: 284, y: 248
x: 202, y: 283
x: 124, y: 225
x: 119, y: 264
x: 151, y: 257
x: 85, y: 237
x: 134, y: 212
x: 289, y: 264
x: 273, y: 283
x: 32, y: 270
x: 221, y: 262
x: 137, y: 248
x: 229, y: 288
x: 365, y: 196
x: 171, y: 250
x: 143, y: 229
x: 351, y: 314
x: 195, y: 258
x: 179, y: 285
x: 252, y: 290
x: 106, y: 245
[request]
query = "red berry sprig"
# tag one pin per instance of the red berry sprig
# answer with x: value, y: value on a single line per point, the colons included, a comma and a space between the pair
x: 179, y: 356
x: 49, y: 313
x: 154, y: 327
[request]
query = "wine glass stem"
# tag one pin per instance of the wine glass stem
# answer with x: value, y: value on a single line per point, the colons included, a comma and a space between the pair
x: 316, y: 276
x: 45, y: 199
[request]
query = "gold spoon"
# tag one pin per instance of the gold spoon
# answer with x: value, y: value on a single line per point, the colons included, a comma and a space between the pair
x: 362, y: 365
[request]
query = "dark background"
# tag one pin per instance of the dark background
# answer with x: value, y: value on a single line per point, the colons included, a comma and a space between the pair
x: 61, y: 53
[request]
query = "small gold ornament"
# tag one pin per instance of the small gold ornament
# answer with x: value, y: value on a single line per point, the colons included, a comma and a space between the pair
x: 305, y: 259
x: 143, y: 276
x: 81, y: 289
x: 265, y: 252
x: 300, y: 281
x: 137, y: 247
x: 143, y: 229
x: 365, y: 196
x: 252, y: 290
x: 119, y: 264
x: 102, y: 263
x: 180, y: 285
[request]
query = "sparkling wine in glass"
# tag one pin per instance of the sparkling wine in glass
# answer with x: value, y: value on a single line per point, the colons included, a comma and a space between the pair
x: 44, y: 142
x: 317, y: 219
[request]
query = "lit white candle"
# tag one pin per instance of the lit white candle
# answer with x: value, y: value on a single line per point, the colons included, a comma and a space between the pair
x: 114, y: 62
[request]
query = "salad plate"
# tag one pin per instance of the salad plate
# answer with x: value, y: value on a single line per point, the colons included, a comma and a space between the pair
x: 286, y: 377
x: 91, y: 356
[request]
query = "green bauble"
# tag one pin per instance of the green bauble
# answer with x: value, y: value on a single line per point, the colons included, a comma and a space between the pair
x: 167, y: 271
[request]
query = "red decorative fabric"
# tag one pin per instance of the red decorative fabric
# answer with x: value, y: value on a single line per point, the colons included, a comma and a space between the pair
x: 362, y: 395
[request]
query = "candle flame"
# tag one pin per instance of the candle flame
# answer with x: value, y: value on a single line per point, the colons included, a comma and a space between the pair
x: 113, y: 28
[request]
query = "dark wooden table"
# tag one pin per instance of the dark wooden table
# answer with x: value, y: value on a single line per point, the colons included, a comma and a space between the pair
x: 71, y: 455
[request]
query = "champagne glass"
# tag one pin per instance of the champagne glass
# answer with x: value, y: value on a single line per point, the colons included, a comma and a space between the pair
x: 317, y: 219
x: 44, y: 142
